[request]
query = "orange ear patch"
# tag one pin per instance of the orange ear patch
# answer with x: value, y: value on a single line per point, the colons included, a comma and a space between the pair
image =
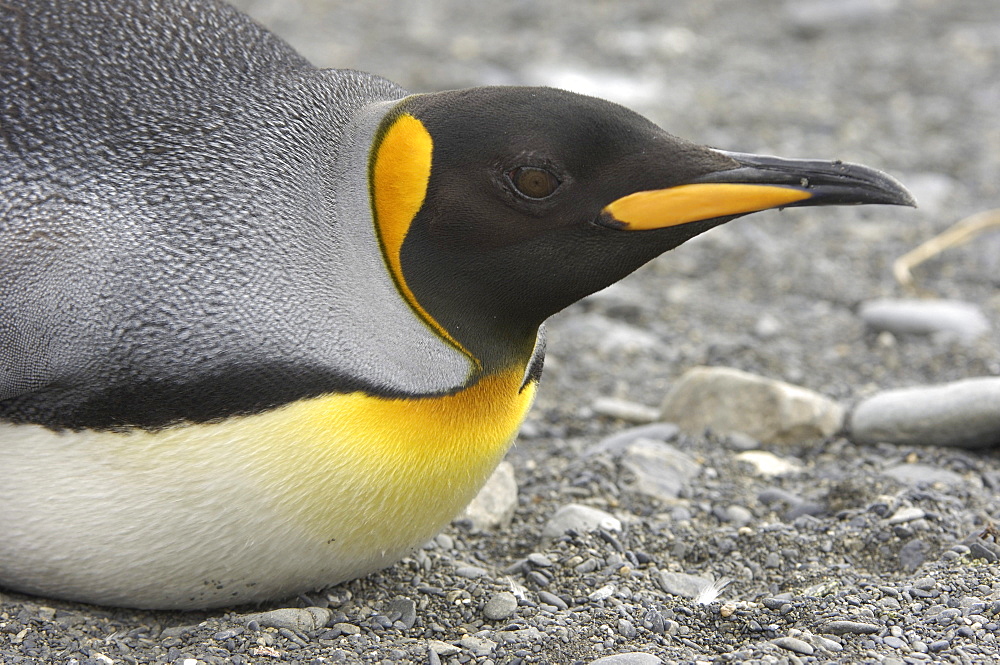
x: 400, y: 171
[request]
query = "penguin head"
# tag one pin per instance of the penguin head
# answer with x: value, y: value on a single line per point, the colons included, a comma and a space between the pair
x: 497, y: 207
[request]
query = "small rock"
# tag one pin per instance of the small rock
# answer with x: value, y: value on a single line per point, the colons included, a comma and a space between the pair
x: 405, y: 608
x: 577, y: 517
x: 728, y: 400
x: 949, y: 318
x: 682, y: 584
x: 616, y: 443
x: 442, y: 648
x: 603, y: 593
x: 539, y: 560
x: 768, y: 464
x: 737, y: 515
x: 479, y: 646
x: 347, y: 628
x: 794, y: 644
x: 500, y: 606
x: 660, y: 470
x: 894, y: 642
x: 964, y: 413
x: 471, y: 572
x: 494, y: 505
x: 627, y: 629
x: 907, y: 514
x: 626, y: 410
x: 552, y: 599
x: 922, y: 474
x: 851, y: 627
x: 305, y: 619
x: 633, y: 658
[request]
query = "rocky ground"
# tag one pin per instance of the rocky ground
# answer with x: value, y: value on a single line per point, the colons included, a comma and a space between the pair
x: 835, y: 549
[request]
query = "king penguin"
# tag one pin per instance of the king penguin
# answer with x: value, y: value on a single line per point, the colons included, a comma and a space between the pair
x: 265, y: 327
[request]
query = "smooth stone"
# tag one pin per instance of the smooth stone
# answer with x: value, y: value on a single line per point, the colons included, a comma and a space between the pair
x: 577, y: 517
x: 603, y: 593
x: 922, y: 474
x: 407, y: 610
x: 682, y: 584
x: 950, y: 318
x: 794, y: 644
x: 304, y: 619
x: 500, y: 606
x: 963, y: 413
x: 907, y: 514
x: 633, y: 658
x: 624, y: 409
x: 442, y: 648
x: 495, y: 504
x: 471, y: 572
x: 768, y: 464
x: 845, y: 627
x: 552, y: 599
x: 737, y: 515
x: 728, y: 400
x: 661, y: 471
x: 616, y: 443
x: 479, y: 646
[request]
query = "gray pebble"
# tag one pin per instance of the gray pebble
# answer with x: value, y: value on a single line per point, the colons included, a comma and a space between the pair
x: 626, y: 410
x: 579, y: 518
x: 552, y: 599
x: 479, y: 646
x: 615, y: 444
x: 406, y: 610
x: 347, y: 628
x: 660, y: 470
x: 494, y: 505
x: 442, y: 648
x: 949, y: 318
x: 682, y: 584
x: 982, y: 550
x: 634, y: 658
x: 603, y: 593
x: 304, y: 619
x: 626, y: 629
x: 963, y: 413
x: 922, y: 474
x: 540, y: 560
x: 894, y: 642
x: 851, y: 627
x: 728, y: 400
x: 907, y: 514
x: 471, y: 572
x: 500, y: 606
x: 795, y: 644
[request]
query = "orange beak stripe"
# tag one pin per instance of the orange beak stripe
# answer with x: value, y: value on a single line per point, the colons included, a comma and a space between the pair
x: 660, y: 208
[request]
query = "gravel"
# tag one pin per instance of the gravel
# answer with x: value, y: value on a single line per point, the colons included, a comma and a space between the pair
x: 850, y: 551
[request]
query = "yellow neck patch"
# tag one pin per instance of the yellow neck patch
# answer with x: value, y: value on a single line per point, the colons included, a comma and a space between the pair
x: 400, y: 172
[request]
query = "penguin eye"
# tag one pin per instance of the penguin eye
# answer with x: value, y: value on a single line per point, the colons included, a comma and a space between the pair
x: 533, y: 183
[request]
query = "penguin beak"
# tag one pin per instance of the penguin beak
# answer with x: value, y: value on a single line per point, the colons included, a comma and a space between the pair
x: 756, y: 182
